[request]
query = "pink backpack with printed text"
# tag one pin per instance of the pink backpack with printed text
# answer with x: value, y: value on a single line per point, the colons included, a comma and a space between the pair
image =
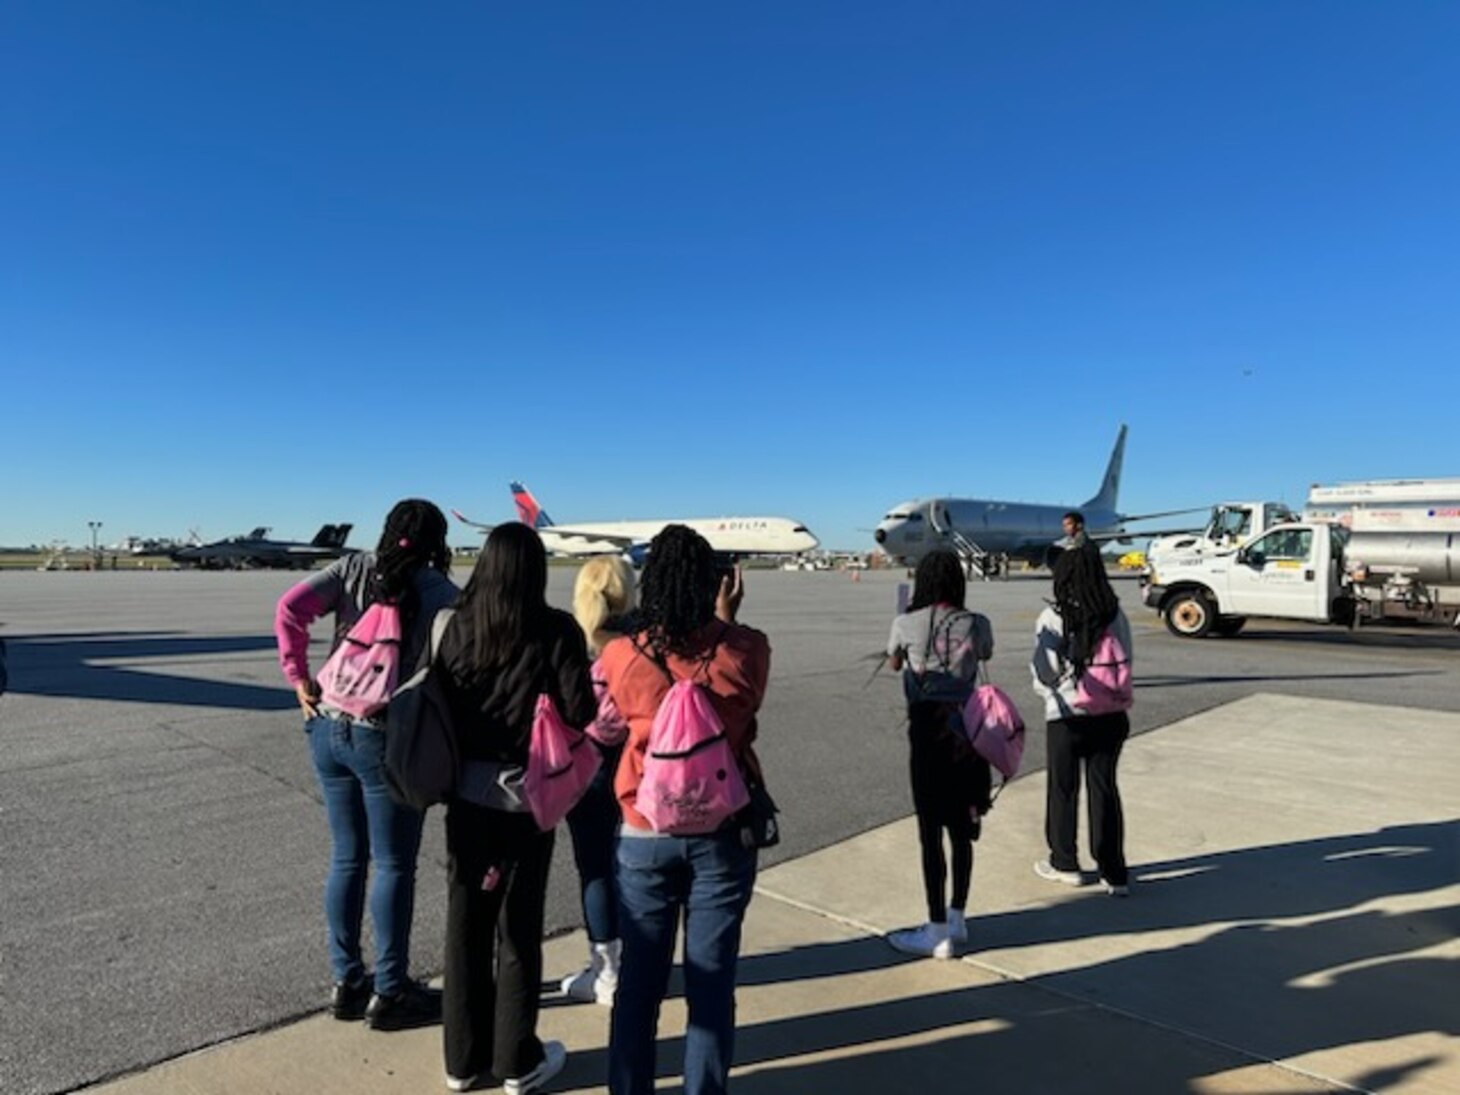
x: 361, y: 675
x: 561, y: 763
x: 995, y: 729
x: 1105, y: 686
x: 692, y: 783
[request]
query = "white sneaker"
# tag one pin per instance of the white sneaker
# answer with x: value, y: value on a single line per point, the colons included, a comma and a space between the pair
x: 461, y: 1083
x: 1050, y: 873
x: 957, y: 926
x: 929, y: 941
x: 1116, y: 889
x: 555, y: 1056
x: 598, y: 981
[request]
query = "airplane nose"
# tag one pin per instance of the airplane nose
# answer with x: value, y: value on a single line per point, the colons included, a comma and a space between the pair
x: 880, y: 536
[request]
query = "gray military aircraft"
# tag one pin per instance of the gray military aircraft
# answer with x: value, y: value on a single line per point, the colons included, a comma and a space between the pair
x: 986, y: 532
x: 257, y: 551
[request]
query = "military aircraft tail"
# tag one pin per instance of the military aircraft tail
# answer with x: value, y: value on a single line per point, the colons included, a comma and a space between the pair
x: 331, y: 536
x: 1105, y: 500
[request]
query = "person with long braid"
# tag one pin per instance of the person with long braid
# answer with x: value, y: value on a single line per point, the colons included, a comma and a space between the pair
x: 687, y: 630
x: 371, y: 833
x: 1065, y: 637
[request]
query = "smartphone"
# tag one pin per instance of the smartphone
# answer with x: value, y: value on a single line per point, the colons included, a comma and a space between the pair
x: 904, y: 595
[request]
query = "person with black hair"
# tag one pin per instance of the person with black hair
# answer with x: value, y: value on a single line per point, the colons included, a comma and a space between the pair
x: 937, y: 644
x: 1065, y: 637
x: 372, y: 834
x: 687, y: 631
x: 503, y: 648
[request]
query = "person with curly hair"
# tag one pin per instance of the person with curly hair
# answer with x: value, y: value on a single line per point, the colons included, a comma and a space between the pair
x: 688, y: 631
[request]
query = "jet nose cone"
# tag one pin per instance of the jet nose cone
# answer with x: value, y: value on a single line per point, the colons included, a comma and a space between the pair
x: 880, y: 535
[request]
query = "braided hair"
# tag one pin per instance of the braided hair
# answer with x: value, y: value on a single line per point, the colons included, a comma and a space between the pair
x: 939, y: 580
x: 414, y: 537
x: 1085, y: 601
x: 678, y: 588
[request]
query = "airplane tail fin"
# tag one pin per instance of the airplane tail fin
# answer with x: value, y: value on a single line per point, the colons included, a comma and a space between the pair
x: 331, y: 536
x: 528, y: 511
x: 1110, y: 485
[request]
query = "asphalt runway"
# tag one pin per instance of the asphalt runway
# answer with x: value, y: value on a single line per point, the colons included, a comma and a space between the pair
x: 162, y: 845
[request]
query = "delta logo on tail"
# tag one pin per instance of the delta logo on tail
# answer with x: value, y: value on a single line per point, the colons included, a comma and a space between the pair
x: 528, y: 511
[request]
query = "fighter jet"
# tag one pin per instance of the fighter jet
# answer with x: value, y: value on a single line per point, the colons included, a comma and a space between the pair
x: 257, y: 551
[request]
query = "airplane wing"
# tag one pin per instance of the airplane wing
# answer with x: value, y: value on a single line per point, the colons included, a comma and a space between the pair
x: 465, y: 520
x: 1138, y: 534
x: 565, y: 532
x: 1163, y: 513
x: 568, y: 532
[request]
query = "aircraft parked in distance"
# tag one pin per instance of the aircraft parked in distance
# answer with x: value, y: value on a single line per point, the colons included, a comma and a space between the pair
x: 256, y: 550
x: 729, y: 536
x: 984, y: 532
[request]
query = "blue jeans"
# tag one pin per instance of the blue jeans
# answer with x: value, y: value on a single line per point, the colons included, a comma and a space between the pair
x: 593, y: 825
x: 367, y: 827
x: 709, y: 879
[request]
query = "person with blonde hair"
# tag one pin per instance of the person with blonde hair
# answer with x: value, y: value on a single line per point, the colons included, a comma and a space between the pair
x: 603, y: 603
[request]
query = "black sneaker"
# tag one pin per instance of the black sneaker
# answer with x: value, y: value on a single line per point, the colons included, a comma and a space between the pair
x: 414, y: 1006
x: 349, y: 1001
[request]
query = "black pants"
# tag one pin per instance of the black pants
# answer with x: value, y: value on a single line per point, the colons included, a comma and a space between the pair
x: 950, y: 786
x: 496, y: 890
x: 1094, y: 741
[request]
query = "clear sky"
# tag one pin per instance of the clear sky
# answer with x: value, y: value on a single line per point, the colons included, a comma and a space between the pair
x: 283, y: 263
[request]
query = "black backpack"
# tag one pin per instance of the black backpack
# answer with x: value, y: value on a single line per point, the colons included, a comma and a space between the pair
x: 422, y: 754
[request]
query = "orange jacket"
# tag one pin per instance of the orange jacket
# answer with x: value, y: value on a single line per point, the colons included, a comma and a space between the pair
x: 739, y: 661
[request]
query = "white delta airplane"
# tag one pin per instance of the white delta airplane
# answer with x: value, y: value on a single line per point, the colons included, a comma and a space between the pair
x: 728, y: 536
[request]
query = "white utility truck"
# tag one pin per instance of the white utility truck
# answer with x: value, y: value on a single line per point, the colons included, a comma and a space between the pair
x: 1364, y: 552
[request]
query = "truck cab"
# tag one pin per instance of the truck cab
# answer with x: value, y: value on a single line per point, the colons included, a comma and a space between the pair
x: 1292, y: 571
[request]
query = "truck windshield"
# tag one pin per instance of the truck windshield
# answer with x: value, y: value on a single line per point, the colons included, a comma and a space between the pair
x: 1229, y: 523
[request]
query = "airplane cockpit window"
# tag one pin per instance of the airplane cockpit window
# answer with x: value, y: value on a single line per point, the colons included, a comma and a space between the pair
x: 914, y: 517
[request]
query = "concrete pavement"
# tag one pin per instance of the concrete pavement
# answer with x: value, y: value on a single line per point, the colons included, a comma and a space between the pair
x: 1293, y: 928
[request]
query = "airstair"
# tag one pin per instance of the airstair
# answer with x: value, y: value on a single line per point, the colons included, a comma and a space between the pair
x: 976, y: 561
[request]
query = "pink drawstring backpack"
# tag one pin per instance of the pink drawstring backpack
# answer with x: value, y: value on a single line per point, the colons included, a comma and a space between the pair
x: 561, y: 763
x: 609, y: 727
x: 692, y: 784
x: 361, y: 675
x: 1105, y: 686
x: 995, y: 729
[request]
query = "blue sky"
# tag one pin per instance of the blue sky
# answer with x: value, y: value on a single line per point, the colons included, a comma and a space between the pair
x: 282, y: 263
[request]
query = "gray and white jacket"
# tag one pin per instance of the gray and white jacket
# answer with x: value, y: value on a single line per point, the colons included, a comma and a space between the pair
x: 1054, y: 676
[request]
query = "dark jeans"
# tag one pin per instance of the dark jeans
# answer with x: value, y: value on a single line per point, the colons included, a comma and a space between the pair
x: 496, y: 889
x: 367, y: 828
x: 1095, y: 742
x: 593, y: 825
x: 708, y: 880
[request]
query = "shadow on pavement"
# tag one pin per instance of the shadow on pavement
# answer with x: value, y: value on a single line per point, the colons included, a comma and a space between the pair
x: 1277, y: 990
x: 73, y: 666
x: 1174, y: 681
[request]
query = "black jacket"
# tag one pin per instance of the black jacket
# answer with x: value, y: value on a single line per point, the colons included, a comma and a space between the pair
x: 493, y: 710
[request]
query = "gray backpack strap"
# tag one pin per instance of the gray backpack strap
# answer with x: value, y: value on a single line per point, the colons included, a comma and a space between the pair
x: 438, y: 630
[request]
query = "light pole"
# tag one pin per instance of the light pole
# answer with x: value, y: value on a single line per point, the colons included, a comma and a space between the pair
x: 95, y: 527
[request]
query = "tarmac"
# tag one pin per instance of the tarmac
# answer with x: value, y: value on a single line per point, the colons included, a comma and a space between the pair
x: 1292, y: 928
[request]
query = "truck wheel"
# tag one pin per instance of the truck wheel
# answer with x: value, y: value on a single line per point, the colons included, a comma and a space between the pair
x: 1190, y: 615
x: 1227, y: 626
